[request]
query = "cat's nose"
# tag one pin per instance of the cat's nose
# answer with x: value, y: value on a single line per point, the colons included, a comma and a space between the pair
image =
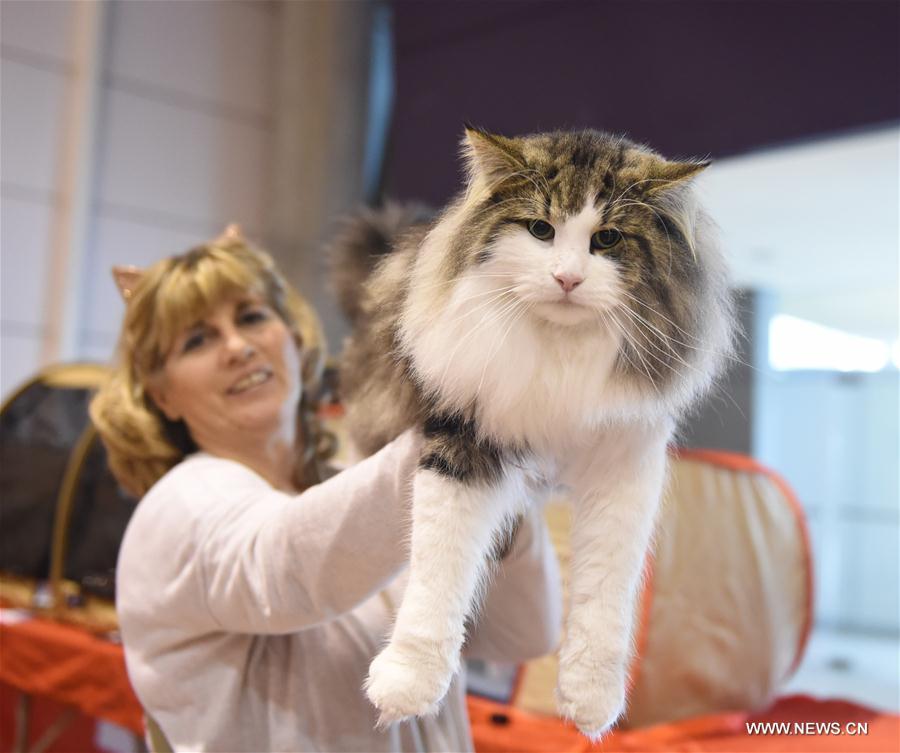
x: 568, y: 281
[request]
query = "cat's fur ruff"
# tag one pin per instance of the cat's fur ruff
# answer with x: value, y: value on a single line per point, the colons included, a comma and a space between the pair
x: 529, y: 363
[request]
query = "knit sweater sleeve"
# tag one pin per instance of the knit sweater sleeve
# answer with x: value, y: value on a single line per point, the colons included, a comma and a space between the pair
x: 275, y: 563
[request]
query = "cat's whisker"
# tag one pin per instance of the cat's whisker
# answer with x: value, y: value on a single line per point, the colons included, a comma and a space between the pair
x: 615, y: 327
x: 502, y: 299
x: 643, y: 369
x: 680, y: 374
x: 657, y: 344
x: 680, y: 360
x: 640, y: 349
x: 458, y: 279
x: 684, y: 332
x: 658, y: 313
x: 637, y: 349
x: 723, y: 354
x: 650, y: 341
x: 662, y: 336
x: 646, y: 322
x: 516, y: 315
x: 665, y: 355
x: 481, y: 305
x: 505, y: 306
x: 664, y: 363
x: 670, y: 338
x: 470, y: 311
x: 473, y: 294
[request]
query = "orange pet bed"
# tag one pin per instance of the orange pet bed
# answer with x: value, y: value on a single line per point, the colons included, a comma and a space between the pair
x: 727, y: 603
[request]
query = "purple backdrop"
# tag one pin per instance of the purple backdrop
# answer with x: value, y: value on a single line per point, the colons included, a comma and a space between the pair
x: 689, y: 78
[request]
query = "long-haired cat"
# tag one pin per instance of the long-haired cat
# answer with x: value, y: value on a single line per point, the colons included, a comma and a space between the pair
x: 548, y: 328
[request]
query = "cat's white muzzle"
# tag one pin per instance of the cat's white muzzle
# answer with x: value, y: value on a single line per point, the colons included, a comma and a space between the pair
x: 565, y: 312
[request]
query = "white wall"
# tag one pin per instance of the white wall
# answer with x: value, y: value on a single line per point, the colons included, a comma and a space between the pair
x: 183, y: 125
x: 35, y: 75
x: 819, y: 224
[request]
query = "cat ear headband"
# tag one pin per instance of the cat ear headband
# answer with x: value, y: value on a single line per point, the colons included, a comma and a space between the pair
x: 128, y: 277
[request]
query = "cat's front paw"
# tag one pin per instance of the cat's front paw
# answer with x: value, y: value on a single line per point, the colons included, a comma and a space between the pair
x: 402, y: 684
x: 592, y: 700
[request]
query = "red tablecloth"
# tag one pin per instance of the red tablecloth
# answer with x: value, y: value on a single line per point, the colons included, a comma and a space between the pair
x: 72, y: 667
x: 68, y: 665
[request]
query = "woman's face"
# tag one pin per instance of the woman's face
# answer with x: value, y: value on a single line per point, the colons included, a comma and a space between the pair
x: 233, y: 377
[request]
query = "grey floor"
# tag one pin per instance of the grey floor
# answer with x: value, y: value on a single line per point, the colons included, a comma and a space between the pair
x: 850, y: 666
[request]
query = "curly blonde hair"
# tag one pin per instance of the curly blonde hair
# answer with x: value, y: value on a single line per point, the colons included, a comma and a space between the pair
x: 141, y: 442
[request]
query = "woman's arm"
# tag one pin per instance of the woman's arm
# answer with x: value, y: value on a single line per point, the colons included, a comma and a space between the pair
x: 522, y: 613
x: 284, y: 563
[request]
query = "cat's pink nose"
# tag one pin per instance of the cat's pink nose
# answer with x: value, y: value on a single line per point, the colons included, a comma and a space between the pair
x: 568, y: 282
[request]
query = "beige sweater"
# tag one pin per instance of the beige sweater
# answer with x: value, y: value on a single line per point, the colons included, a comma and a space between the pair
x: 250, y: 616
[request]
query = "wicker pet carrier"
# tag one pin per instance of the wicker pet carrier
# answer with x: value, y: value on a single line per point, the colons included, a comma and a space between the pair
x: 727, y: 602
x: 63, y: 513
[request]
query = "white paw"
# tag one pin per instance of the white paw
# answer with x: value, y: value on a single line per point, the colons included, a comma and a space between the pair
x: 592, y: 700
x: 402, y: 684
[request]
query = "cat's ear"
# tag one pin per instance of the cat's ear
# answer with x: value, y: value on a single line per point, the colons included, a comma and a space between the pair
x: 666, y: 174
x: 490, y: 156
x: 127, y: 279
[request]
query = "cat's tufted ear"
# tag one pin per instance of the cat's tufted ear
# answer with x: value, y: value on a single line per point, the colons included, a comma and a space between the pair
x: 666, y: 174
x: 490, y: 156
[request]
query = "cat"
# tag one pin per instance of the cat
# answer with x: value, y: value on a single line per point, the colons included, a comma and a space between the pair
x: 548, y: 328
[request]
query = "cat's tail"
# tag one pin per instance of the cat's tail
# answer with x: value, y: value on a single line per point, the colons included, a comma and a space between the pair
x: 364, y: 239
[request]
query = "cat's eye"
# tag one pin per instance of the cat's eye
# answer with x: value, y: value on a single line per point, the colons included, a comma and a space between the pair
x: 603, y: 239
x: 541, y: 230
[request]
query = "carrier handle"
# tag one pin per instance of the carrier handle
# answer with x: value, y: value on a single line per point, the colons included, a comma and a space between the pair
x: 64, y: 504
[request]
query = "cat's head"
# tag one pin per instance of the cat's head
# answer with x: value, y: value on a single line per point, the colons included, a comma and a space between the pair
x: 585, y: 229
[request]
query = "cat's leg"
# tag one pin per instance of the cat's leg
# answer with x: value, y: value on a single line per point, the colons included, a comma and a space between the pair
x: 463, y: 495
x: 617, y: 486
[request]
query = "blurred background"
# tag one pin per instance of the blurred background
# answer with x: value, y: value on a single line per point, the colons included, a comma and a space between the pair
x: 133, y: 130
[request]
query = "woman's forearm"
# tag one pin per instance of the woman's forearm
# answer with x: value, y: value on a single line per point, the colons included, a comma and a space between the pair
x: 300, y: 561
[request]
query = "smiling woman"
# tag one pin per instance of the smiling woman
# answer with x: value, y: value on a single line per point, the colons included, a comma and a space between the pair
x: 231, y: 377
x: 200, y: 329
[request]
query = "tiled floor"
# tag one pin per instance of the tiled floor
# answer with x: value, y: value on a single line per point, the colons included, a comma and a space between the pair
x: 851, y: 666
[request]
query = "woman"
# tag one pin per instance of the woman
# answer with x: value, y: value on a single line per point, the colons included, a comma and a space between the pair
x: 252, y: 597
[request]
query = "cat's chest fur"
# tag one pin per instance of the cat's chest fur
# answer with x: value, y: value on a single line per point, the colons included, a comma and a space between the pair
x: 528, y: 383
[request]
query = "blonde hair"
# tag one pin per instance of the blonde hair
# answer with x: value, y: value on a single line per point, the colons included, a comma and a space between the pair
x: 142, y: 444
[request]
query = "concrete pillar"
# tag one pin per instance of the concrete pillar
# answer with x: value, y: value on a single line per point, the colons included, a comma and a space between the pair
x: 321, y: 115
x: 69, y: 233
